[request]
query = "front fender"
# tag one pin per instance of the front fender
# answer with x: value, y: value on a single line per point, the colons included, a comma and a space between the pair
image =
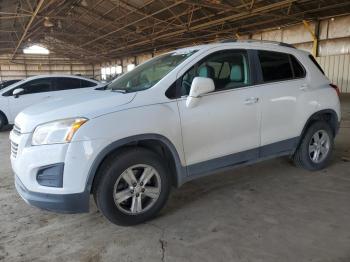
x: 180, y: 170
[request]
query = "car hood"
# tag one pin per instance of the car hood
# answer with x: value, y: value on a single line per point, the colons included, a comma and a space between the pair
x: 88, y: 104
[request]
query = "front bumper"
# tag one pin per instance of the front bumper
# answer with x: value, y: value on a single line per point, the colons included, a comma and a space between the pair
x: 77, y: 157
x: 62, y: 203
x: 68, y: 192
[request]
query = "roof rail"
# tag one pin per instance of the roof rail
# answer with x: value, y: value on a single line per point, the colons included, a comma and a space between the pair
x: 257, y: 41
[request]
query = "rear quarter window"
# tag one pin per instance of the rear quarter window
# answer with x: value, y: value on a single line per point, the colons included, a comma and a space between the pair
x: 67, y: 83
x: 316, y: 64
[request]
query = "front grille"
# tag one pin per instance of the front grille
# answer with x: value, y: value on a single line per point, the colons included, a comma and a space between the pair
x: 16, y: 130
x: 14, y: 149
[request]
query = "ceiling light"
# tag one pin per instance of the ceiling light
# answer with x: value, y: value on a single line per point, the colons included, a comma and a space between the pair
x: 36, y: 49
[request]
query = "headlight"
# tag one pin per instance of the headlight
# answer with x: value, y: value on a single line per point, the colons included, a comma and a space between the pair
x: 56, y: 132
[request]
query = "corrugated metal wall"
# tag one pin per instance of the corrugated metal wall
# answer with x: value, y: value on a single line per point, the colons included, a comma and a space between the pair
x: 334, y: 36
x: 30, y: 65
x: 337, y: 69
x: 333, y: 48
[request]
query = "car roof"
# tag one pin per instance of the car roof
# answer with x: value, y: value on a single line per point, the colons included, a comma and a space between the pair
x: 10, y: 80
x: 59, y: 76
x: 251, y: 44
x: 4, y: 90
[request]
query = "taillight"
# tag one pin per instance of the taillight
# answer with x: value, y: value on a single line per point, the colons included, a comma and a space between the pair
x: 336, y: 88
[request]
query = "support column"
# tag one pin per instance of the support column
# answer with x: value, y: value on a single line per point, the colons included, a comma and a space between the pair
x: 314, y: 34
x: 25, y: 67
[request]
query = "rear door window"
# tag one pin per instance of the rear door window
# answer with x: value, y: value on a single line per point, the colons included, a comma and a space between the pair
x: 85, y: 83
x: 66, y: 83
x: 278, y: 66
x: 275, y: 66
x: 298, y: 69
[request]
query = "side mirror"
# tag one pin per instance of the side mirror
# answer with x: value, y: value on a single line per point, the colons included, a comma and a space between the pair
x: 200, y: 86
x: 17, y: 92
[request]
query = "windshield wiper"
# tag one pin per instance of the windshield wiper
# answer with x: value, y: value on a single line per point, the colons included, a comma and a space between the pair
x: 102, y: 87
x: 119, y: 90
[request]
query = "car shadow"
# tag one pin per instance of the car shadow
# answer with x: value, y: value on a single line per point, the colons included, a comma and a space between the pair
x: 242, y: 179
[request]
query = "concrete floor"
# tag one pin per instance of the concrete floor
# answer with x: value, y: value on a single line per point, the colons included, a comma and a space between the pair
x: 270, y: 211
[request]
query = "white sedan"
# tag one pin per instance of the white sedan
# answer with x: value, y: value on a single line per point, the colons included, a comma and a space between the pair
x: 33, y: 90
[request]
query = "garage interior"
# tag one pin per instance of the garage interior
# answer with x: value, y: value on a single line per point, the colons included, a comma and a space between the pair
x: 271, y: 211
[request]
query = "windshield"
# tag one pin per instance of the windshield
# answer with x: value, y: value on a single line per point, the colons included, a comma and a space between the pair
x: 148, y: 74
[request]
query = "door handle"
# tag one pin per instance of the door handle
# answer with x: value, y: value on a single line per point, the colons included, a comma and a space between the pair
x: 251, y: 100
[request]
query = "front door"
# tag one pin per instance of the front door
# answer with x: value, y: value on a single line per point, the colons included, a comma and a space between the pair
x: 35, y: 91
x: 223, y: 128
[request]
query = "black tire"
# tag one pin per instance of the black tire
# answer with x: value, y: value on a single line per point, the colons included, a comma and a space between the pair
x: 3, y: 121
x: 108, y: 175
x: 302, y: 156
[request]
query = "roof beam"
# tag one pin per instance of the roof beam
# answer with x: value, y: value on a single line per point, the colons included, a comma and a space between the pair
x: 132, y: 23
x: 123, y: 17
x: 132, y: 8
x: 37, y: 26
x: 36, y: 11
x: 191, y: 21
x: 235, y: 17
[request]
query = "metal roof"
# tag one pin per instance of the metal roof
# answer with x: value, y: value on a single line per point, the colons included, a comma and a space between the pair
x: 96, y: 30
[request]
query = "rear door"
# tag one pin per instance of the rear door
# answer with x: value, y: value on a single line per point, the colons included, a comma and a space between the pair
x: 35, y: 91
x: 283, y: 82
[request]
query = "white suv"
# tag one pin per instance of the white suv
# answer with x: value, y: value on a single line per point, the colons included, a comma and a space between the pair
x: 177, y: 117
x: 33, y: 90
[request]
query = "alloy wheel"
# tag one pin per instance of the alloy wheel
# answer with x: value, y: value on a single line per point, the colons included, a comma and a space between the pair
x: 319, y: 146
x: 137, y: 189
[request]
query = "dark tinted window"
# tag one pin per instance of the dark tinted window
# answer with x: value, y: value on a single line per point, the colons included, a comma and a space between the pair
x: 85, y: 83
x: 316, y: 64
x: 65, y: 83
x: 297, y: 68
x: 275, y: 66
x: 8, y: 83
x: 172, y: 91
x: 228, y: 69
x: 37, y: 86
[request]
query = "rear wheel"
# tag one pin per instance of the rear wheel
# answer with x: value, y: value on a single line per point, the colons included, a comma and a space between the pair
x: 132, y: 187
x: 316, y: 147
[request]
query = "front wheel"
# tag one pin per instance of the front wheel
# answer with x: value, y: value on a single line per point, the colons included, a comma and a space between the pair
x: 315, y: 149
x: 132, y: 187
x: 2, y: 122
